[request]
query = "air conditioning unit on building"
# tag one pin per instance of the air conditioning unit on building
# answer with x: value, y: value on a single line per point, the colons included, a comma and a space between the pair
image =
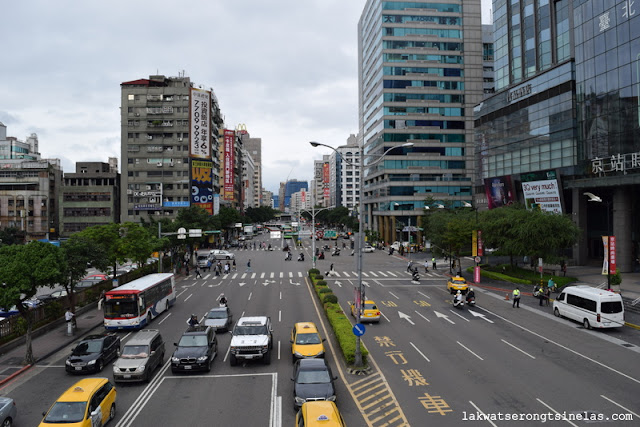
x: 149, y: 137
x: 148, y: 188
x: 159, y: 164
x: 167, y: 213
x: 129, y: 192
x: 180, y: 139
x: 157, y: 212
x: 171, y: 164
x: 137, y: 114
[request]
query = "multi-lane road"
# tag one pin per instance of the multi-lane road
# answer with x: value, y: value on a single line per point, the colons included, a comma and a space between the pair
x: 431, y: 364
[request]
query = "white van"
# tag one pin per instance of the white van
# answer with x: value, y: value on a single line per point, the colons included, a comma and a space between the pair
x: 595, y: 308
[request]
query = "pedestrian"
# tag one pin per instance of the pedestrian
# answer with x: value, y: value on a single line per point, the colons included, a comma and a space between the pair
x: 209, y: 266
x: 68, y: 316
x: 516, y: 297
x: 198, y: 275
x: 186, y: 267
x: 331, y: 270
x: 233, y: 266
x: 249, y: 266
x: 547, y: 295
x: 426, y: 265
x: 433, y: 263
x: 227, y: 268
x: 564, y: 269
x: 541, y: 294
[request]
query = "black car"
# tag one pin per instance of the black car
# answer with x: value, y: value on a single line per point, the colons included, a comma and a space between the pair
x: 92, y: 353
x: 195, y: 351
x: 312, y: 380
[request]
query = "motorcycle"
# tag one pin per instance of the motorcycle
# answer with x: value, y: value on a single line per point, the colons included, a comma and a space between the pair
x: 335, y: 252
x: 391, y: 251
x: 321, y: 256
x: 301, y: 257
x: 415, y: 276
x: 288, y: 256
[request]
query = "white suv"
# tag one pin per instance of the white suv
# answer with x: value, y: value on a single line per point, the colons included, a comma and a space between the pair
x: 252, y: 339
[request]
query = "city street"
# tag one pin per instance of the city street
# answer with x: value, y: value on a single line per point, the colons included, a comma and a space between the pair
x: 431, y: 364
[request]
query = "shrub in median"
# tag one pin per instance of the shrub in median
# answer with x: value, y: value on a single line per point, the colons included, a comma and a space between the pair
x: 313, y: 272
x: 330, y: 298
x: 343, y: 330
x: 319, y: 277
x: 320, y: 283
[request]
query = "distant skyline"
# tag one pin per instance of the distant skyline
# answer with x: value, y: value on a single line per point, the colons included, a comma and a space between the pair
x: 290, y: 79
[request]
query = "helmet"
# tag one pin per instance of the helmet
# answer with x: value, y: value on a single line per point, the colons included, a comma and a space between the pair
x: 193, y: 315
x: 470, y: 289
x: 458, y: 293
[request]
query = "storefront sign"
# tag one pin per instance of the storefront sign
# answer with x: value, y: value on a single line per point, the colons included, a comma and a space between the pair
x: 617, y: 163
x: 518, y: 93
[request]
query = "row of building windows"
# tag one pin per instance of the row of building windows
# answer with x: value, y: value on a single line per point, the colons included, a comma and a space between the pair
x: 442, y: 124
x: 103, y: 211
x: 409, y: 190
x: 86, y: 197
x: 409, y: 164
x: 73, y: 182
x: 438, y: 32
x: 441, y: 111
x: 403, y: 19
x: 411, y: 44
x: 442, y: 59
x: 73, y: 227
x: 404, y: 84
x: 150, y: 136
x: 157, y: 173
x: 403, y: 71
x: 407, y: 137
x: 404, y: 97
x: 437, y: 7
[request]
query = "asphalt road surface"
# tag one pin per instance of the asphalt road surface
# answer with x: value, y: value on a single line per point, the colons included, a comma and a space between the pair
x: 432, y: 365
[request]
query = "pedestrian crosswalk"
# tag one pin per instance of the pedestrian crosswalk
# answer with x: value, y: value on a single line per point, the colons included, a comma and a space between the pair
x: 370, y: 274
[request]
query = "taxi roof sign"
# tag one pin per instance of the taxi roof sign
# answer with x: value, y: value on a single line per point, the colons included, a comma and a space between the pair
x: 323, y: 418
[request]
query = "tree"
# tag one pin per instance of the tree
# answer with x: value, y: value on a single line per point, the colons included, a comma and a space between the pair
x: 79, y: 251
x: 24, y: 269
x: 11, y: 236
x: 136, y: 243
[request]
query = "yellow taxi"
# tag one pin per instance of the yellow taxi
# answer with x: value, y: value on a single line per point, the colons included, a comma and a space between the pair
x: 457, y: 283
x: 320, y: 413
x: 305, y: 341
x: 89, y: 402
x: 369, y: 311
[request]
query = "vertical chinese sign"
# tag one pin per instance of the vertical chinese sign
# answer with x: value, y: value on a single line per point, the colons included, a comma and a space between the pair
x: 229, y: 146
x: 200, y: 149
x: 325, y: 182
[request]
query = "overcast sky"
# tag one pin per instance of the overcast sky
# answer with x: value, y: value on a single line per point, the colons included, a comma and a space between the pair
x: 285, y: 68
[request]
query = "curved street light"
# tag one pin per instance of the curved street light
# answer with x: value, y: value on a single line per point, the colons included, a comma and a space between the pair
x: 360, y: 245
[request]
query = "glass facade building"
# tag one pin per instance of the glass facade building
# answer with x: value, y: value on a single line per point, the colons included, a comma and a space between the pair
x: 566, y: 108
x: 420, y: 75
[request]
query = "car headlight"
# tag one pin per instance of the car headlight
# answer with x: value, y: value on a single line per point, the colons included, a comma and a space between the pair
x: 296, y: 354
x: 67, y: 362
x: 320, y: 354
x: 140, y: 369
x: 175, y: 359
x: 202, y: 358
x: 91, y: 362
x: 332, y: 398
x: 299, y: 400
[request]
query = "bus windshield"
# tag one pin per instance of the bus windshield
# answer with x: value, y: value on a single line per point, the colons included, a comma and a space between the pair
x: 120, y: 308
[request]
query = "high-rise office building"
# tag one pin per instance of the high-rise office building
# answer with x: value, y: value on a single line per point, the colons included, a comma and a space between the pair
x: 320, y: 183
x: 253, y: 146
x: 169, y: 146
x: 420, y: 75
x: 344, y: 170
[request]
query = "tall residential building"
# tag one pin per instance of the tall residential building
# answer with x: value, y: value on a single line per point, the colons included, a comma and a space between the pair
x: 267, y: 198
x: 563, y: 121
x: 29, y: 188
x: 420, y: 75
x: 320, y: 183
x: 89, y: 196
x: 488, y: 74
x: 248, y: 175
x: 169, y: 146
x: 254, y: 148
x: 345, y: 175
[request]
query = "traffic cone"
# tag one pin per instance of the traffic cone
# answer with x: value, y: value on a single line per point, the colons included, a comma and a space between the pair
x: 506, y: 297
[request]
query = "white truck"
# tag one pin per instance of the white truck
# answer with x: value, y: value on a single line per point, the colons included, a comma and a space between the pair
x: 252, y: 339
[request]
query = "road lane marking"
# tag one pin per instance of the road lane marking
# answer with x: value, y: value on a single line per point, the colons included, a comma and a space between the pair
x: 619, y: 405
x: 290, y: 274
x: 253, y: 276
x: 562, y: 346
x: 262, y: 275
x: 345, y: 274
x: 557, y: 413
x: 396, y: 296
x: 420, y: 314
x: 421, y: 353
x: 234, y: 276
x: 373, y: 274
x: 522, y: 351
x: 190, y: 295
x: 243, y: 275
x: 391, y: 274
x: 299, y: 273
x: 271, y: 276
x: 466, y: 348
x: 462, y: 317
x: 382, y: 274
x: 278, y: 349
x: 365, y: 274
x: 165, y: 318
x: 424, y: 295
x: 279, y: 315
x: 484, y: 416
x: 281, y: 274
x: 250, y: 293
x: 382, y: 314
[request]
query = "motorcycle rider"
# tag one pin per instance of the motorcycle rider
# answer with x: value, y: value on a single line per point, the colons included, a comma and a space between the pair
x: 193, y: 321
x: 321, y: 256
x: 301, y: 257
x: 223, y: 300
x: 471, y: 295
x: 457, y: 300
x: 415, y: 276
x: 288, y: 256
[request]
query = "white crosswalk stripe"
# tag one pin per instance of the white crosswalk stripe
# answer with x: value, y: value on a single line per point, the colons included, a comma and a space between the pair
x: 346, y: 274
x: 373, y: 274
x: 382, y: 273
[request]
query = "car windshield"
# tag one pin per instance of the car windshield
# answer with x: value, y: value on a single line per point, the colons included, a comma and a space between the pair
x: 217, y: 314
x: 307, y: 339
x: 193, y: 341
x: 459, y: 281
x: 313, y: 377
x: 66, y: 412
x: 87, y: 347
x: 611, y: 307
x: 370, y: 306
x: 250, y: 330
x: 135, y: 352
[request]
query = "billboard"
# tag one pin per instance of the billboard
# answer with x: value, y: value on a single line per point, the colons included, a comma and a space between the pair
x: 325, y: 179
x: 200, y: 130
x: 149, y: 197
x: 202, y: 184
x: 499, y: 191
x: 229, y: 146
x: 541, y: 191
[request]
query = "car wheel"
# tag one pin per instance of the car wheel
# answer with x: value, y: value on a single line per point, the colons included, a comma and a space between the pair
x: 556, y: 312
x: 7, y: 423
x: 112, y: 412
x: 586, y: 324
x: 266, y: 359
x: 99, y: 365
x: 293, y: 358
x: 208, y: 368
x: 232, y: 360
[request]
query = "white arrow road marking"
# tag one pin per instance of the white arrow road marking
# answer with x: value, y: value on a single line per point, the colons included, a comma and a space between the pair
x: 405, y: 316
x: 445, y: 317
x: 420, y: 314
x: 265, y: 283
x: 296, y: 283
x: 337, y: 282
x: 421, y: 353
x: 480, y: 315
x: 241, y: 283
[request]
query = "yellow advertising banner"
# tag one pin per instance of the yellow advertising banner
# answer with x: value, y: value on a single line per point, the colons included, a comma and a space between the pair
x: 474, y: 243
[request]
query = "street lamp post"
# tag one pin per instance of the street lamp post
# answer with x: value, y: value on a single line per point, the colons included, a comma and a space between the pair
x: 313, y: 231
x: 593, y: 198
x: 360, y: 244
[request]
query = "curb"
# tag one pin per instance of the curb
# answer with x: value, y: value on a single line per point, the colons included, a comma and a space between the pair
x: 15, y: 374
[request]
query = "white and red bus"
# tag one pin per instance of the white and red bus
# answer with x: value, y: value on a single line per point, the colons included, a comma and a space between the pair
x: 135, y: 304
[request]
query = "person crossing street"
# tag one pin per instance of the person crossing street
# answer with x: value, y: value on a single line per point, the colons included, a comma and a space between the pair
x: 198, y: 275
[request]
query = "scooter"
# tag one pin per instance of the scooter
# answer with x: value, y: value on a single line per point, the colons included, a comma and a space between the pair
x: 415, y: 276
x: 301, y: 257
x: 458, y: 303
x: 471, y: 301
x: 321, y: 256
x: 335, y: 252
x: 288, y: 257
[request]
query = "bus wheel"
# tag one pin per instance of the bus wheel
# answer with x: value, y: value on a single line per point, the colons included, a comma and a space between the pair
x: 149, y: 319
x: 167, y: 307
